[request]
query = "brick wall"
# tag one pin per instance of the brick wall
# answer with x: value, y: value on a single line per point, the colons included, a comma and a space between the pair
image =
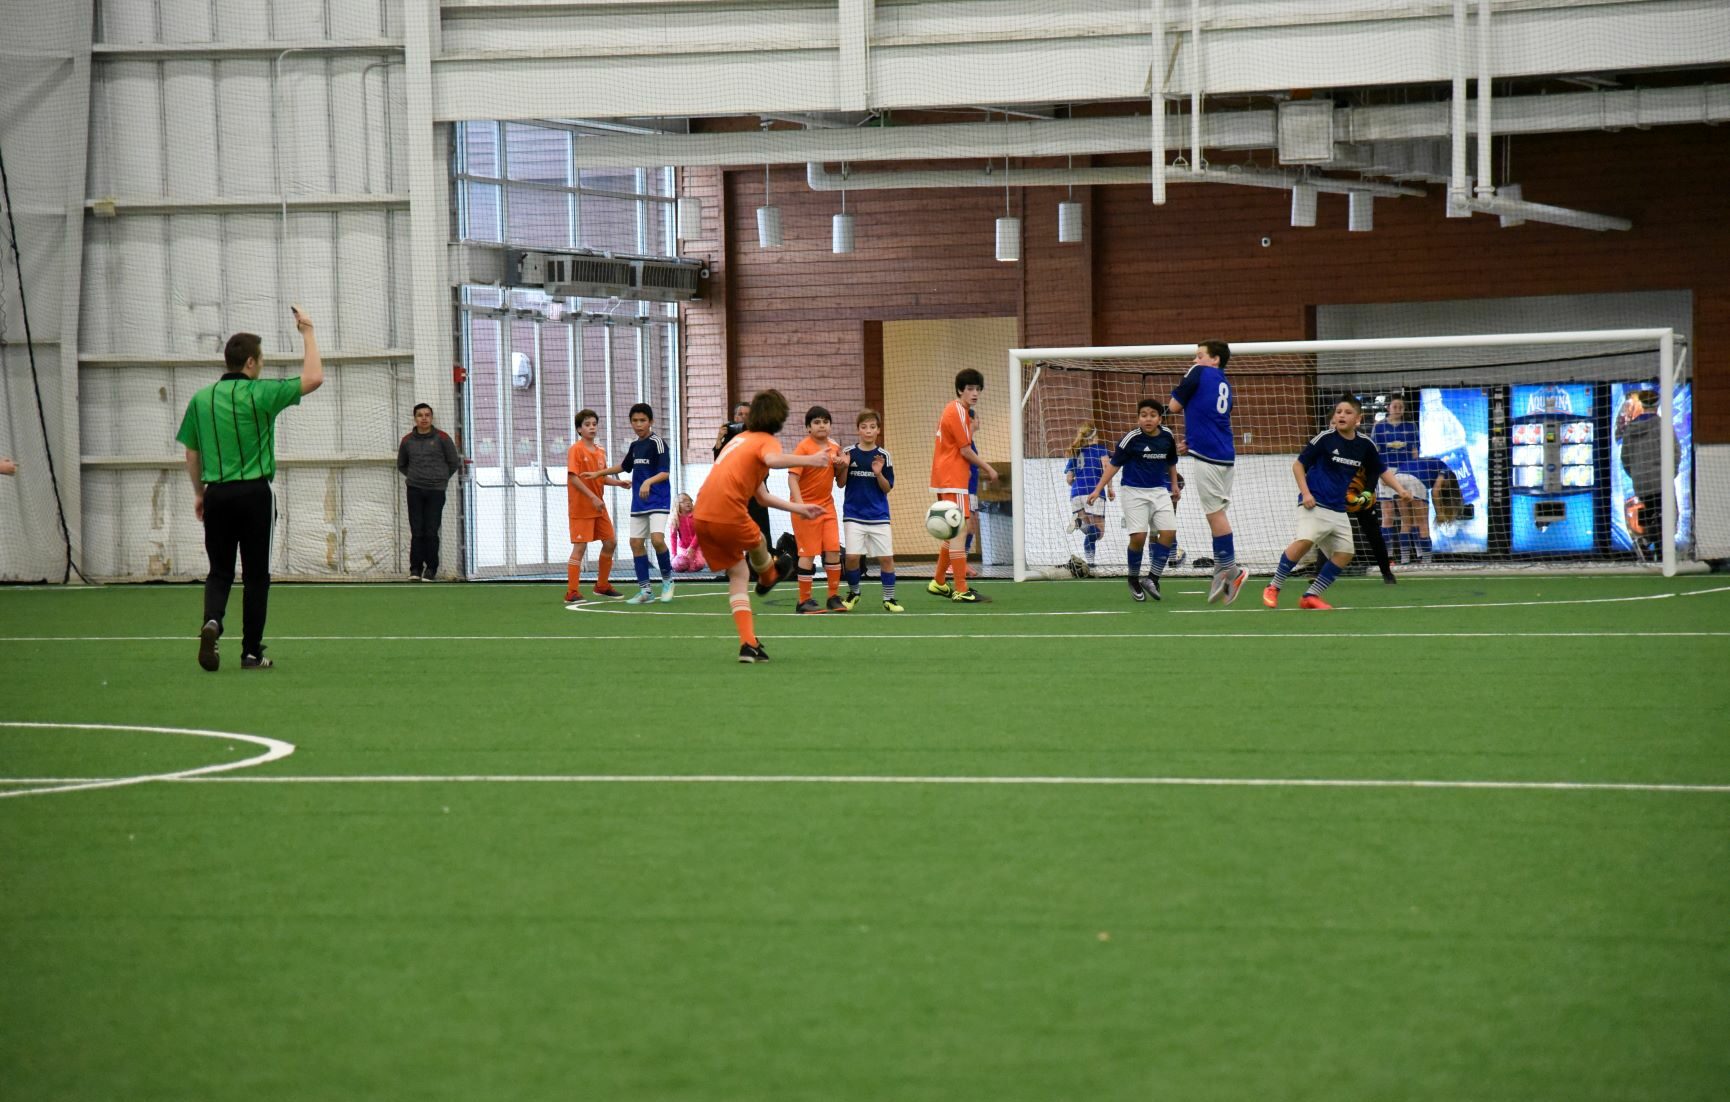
x: 794, y: 317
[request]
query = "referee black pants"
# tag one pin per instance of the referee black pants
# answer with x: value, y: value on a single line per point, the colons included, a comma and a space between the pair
x: 238, y: 516
x: 426, y: 510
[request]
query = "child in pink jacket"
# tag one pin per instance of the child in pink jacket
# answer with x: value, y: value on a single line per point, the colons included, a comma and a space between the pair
x: 687, y: 557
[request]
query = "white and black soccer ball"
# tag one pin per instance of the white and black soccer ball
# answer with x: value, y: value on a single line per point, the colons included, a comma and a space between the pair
x: 943, y: 520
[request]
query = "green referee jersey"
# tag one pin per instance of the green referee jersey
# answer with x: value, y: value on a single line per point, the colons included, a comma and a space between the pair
x: 231, y: 424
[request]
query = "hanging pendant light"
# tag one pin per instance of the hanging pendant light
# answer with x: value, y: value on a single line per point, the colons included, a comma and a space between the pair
x: 1008, y: 227
x: 768, y: 219
x: 1069, y: 214
x: 841, y: 229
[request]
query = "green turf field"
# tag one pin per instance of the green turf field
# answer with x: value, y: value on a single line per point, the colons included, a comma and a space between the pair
x: 836, y: 877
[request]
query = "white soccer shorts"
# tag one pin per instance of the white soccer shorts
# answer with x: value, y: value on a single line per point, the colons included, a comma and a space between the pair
x: 870, y: 540
x: 1147, y: 509
x: 1080, y: 505
x: 1410, y: 482
x: 1211, y: 485
x: 644, y: 523
x: 1331, y: 532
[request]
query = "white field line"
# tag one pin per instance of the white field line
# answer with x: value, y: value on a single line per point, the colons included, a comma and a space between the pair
x: 1292, y: 591
x: 273, y: 750
x: 614, y: 605
x: 982, y: 636
x: 821, y: 779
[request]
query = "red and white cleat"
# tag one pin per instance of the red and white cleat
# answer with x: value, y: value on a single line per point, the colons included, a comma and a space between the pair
x: 1314, y: 602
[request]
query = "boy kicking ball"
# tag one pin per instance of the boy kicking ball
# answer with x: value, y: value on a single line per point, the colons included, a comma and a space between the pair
x: 1331, y: 469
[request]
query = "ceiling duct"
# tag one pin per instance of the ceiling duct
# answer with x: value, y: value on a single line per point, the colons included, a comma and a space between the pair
x: 571, y: 274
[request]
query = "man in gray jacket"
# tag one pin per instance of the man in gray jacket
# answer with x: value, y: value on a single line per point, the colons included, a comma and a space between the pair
x: 427, y: 458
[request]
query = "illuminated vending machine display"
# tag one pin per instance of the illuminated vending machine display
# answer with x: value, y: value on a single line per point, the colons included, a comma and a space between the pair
x: 1636, y: 467
x: 1454, y: 434
x: 1552, y: 469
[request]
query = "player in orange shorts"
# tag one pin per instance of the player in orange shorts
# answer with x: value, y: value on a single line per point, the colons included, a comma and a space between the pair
x: 952, y: 463
x: 588, y: 507
x: 726, y: 533
x: 820, y: 537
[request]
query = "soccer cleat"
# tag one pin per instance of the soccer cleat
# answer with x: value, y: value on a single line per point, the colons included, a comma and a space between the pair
x: 1313, y: 602
x: 414, y: 575
x: 641, y: 597
x: 783, y: 570
x: 1216, y: 587
x: 808, y: 606
x: 849, y: 601
x: 1150, y: 586
x: 1389, y: 579
x: 967, y: 596
x: 836, y: 604
x: 1135, y: 590
x: 1235, y: 577
x: 747, y: 653
x: 207, y: 636
x: 1270, y: 597
x: 609, y: 591
x: 758, y: 651
x: 572, y: 596
x: 939, y: 589
x: 256, y: 661
x: 666, y: 592
x: 892, y: 606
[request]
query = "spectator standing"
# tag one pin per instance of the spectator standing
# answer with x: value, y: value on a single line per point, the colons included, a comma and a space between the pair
x: 427, y: 457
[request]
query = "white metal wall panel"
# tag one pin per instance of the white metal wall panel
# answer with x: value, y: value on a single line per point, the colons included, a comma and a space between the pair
x: 185, y: 20
x: 245, y: 128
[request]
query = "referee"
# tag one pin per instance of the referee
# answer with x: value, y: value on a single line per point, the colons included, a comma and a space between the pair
x: 230, y: 436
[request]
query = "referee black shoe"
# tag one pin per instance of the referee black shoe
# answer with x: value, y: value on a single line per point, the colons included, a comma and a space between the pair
x: 207, y: 636
x: 256, y: 661
x: 1135, y: 590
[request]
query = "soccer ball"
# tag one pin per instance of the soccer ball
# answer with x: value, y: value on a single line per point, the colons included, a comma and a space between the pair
x: 943, y: 520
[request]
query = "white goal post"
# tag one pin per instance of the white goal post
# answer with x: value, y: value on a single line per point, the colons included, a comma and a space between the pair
x: 1531, y: 430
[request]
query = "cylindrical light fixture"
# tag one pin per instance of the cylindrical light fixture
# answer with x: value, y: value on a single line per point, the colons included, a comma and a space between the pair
x: 1008, y: 238
x: 1069, y: 222
x: 690, y: 217
x: 768, y: 219
x: 841, y: 233
x: 1361, y: 212
x: 1303, y: 205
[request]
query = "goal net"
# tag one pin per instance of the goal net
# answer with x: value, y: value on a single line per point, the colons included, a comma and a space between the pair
x: 1526, y: 451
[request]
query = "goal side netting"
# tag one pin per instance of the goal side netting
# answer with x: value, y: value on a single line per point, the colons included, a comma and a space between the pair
x: 1542, y: 451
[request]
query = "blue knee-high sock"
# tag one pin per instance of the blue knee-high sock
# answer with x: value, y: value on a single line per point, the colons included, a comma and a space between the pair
x: 1092, y: 532
x: 1324, y: 578
x: 1282, y: 571
x: 1409, y: 542
x: 1224, y: 554
x: 1135, y: 562
x: 852, y: 577
x: 641, y: 564
x: 888, y: 579
x: 1424, y: 543
x: 664, y: 560
x: 1391, y: 541
x: 1160, y: 555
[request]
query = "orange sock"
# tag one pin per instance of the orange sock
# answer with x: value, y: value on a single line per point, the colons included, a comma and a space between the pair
x: 942, y: 564
x: 958, y: 563
x: 604, y: 571
x: 742, y: 619
x: 804, y: 588
x: 834, y: 577
x: 574, y: 579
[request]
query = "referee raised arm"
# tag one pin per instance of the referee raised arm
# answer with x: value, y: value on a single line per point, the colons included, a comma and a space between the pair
x: 230, y: 436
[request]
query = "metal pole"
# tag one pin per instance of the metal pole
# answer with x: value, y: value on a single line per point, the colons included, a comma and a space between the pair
x: 1667, y: 444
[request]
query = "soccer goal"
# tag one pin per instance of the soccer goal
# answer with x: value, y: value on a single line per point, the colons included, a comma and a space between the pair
x: 1541, y: 451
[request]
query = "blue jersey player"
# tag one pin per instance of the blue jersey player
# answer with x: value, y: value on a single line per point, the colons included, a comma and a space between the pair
x: 1147, y: 456
x: 1328, y: 468
x: 1405, y: 525
x: 651, y: 472
x: 1204, y: 397
x: 869, y: 477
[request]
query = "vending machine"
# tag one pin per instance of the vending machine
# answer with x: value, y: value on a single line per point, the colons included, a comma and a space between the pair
x: 1552, y: 469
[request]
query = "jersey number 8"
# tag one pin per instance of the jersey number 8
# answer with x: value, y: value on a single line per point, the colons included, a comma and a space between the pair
x: 1223, y: 403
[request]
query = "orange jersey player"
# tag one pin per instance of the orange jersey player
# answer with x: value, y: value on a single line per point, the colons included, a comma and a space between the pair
x: 726, y: 533
x: 585, y: 465
x: 952, y: 464
x: 816, y: 486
